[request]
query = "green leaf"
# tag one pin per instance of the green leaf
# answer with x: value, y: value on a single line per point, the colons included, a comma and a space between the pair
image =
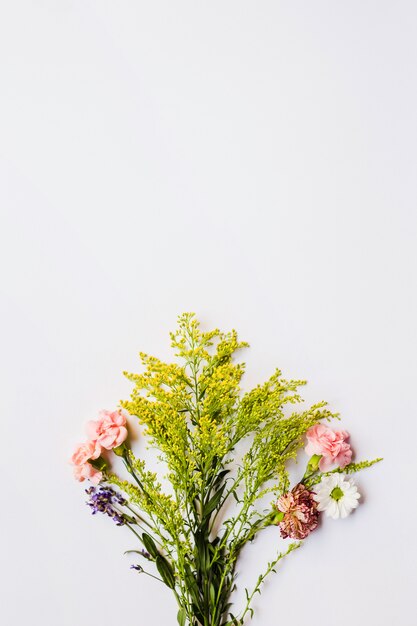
x: 166, y: 571
x: 198, y: 613
x: 182, y: 616
x: 212, y: 594
x: 192, y: 584
x: 220, y: 476
x: 149, y: 544
x: 203, y: 557
x: 213, y: 502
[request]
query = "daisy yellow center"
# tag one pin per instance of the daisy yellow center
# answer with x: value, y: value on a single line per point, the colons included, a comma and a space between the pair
x: 336, y: 493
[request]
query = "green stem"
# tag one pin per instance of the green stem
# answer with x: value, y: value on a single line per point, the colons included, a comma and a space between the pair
x: 136, y: 514
x: 143, y: 571
x: 134, y: 532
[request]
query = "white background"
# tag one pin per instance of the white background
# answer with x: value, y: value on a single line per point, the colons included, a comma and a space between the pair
x: 254, y: 162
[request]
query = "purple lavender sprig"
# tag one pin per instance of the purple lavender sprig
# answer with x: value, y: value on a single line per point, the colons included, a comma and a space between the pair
x: 103, y: 499
x: 138, y: 568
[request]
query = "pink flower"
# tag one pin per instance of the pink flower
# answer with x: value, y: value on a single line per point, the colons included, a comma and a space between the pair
x: 330, y: 444
x: 300, y: 513
x: 82, y: 468
x: 81, y: 472
x: 86, y: 451
x: 109, y: 431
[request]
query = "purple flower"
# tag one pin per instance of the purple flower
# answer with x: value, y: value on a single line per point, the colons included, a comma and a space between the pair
x: 138, y: 568
x: 103, y: 499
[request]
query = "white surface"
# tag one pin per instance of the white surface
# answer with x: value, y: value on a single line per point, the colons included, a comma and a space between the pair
x: 254, y: 162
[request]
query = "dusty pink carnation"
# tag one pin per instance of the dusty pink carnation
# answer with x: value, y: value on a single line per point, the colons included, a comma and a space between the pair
x: 109, y: 430
x: 81, y: 472
x: 300, y: 513
x: 330, y: 444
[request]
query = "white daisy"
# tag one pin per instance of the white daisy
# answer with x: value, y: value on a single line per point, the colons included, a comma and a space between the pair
x: 336, y: 495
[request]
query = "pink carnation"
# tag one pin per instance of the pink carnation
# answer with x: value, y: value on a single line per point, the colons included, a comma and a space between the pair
x: 82, y: 468
x: 109, y: 430
x: 330, y: 444
x: 81, y: 472
x: 300, y: 515
x: 86, y: 451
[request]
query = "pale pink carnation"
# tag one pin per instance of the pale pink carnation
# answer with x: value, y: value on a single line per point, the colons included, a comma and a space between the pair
x: 86, y: 451
x: 82, y: 468
x: 109, y: 430
x: 81, y: 472
x: 330, y: 444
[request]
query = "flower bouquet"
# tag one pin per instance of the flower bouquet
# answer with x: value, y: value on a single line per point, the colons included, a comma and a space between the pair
x: 224, y: 460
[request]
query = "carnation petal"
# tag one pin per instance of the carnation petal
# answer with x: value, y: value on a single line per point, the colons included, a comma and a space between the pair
x: 92, y: 429
x: 121, y: 436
